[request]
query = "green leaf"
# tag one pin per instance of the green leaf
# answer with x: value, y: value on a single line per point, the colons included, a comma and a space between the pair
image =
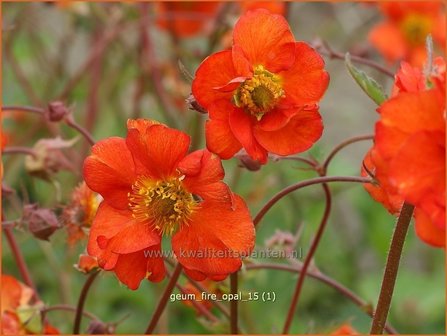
x: 368, y: 84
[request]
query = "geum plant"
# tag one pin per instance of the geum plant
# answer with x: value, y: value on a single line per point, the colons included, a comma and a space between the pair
x: 261, y: 98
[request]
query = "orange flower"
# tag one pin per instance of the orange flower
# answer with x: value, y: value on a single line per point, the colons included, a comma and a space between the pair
x: 408, y: 159
x: 185, y: 19
x: 79, y: 213
x: 19, y: 316
x: 262, y: 94
x: 275, y: 7
x: 152, y: 188
x: 402, y: 35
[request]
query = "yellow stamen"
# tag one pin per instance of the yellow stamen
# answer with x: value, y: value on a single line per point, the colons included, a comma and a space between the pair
x: 415, y: 28
x: 259, y: 94
x: 164, y: 204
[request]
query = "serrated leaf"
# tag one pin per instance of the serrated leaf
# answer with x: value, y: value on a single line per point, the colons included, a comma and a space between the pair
x: 369, y: 85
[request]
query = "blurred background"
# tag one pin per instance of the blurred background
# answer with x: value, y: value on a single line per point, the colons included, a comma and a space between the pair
x: 112, y: 61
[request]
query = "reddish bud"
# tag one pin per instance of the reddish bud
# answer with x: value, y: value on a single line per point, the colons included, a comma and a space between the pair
x: 56, y: 111
x: 86, y: 263
x: 247, y: 162
x: 100, y: 328
x: 41, y: 222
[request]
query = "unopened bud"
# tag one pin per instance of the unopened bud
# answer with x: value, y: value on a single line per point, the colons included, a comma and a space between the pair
x: 86, y: 263
x: 41, y: 222
x: 100, y: 328
x: 56, y: 111
x: 247, y: 162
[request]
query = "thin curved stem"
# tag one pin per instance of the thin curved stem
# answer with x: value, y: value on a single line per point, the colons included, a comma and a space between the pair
x: 342, y: 145
x: 19, y: 150
x: 332, y: 54
x: 164, y: 299
x: 65, y: 307
x: 391, y: 269
x: 86, y: 134
x: 30, y: 109
x: 234, y: 304
x: 81, y: 301
x: 302, y: 184
x: 308, y: 259
x: 327, y: 280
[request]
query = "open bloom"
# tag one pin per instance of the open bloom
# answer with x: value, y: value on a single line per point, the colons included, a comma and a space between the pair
x: 152, y: 188
x: 402, y: 35
x: 262, y: 94
x: 408, y: 158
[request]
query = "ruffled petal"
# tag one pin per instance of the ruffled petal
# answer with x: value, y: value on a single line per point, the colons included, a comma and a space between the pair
x: 215, y: 239
x: 11, y: 293
x: 241, y: 125
x: 220, y: 139
x: 306, y: 81
x: 275, y: 119
x: 159, y: 149
x: 215, y: 71
x: 110, y: 171
x: 265, y: 39
x: 299, y: 134
x: 131, y: 268
x: 418, y: 168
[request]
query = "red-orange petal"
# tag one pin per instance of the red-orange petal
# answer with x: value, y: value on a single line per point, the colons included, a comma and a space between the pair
x: 389, y: 41
x: 306, y: 80
x: 159, y: 149
x: 241, y: 125
x: 215, y: 71
x: 131, y: 268
x: 11, y: 293
x: 110, y: 171
x: 264, y: 38
x: 418, y: 168
x: 216, y: 238
x: 220, y: 139
x: 299, y: 134
x: 427, y: 231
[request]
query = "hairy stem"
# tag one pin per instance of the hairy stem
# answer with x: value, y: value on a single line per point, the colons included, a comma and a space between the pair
x: 391, y: 269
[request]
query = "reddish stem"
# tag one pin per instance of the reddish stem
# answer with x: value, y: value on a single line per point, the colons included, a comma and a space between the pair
x: 164, y: 299
x: 19, y: 150
x: 391, y: 269
x: 327, y: 280
x: 234, y: 304
x: 309, y: 258
x: 20, y: 261
x: 81, y: 301
x: 302, y: 184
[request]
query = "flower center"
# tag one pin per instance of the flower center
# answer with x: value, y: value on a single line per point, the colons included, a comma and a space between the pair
x: 259, y: 94
x: 166, y: 204
x: 416, y: 28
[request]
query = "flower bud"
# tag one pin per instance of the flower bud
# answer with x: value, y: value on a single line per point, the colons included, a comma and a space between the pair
x: 86, y: 263
x: 56, y: 111
x: 41, y: 222
x: 247, y: 162
x: 100, y: 328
